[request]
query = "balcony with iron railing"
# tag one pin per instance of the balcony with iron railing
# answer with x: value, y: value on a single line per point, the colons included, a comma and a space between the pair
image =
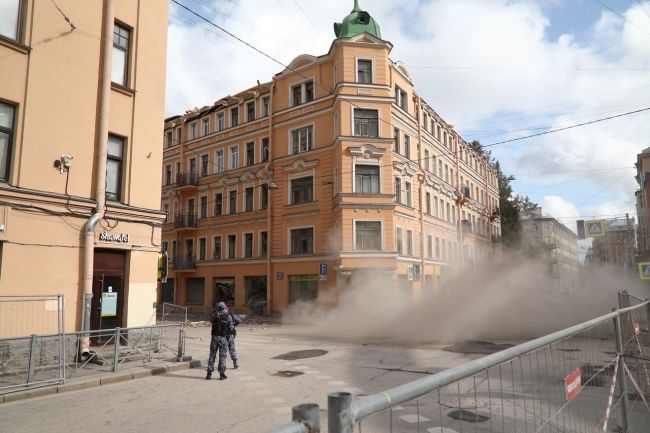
x: 183, y: 263
x: 185, y: 220
x: 187, y: 180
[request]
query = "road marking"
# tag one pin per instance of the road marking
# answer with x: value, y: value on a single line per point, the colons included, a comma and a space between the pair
x: 274, y: 400
x: 411, y: 419
x: 263, y: 392
x: 336, y: 383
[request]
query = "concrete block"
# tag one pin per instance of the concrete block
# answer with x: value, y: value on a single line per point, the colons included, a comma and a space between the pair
x: 116, y: 377
x: 141, y: 373
x: 82, y: 384
x: 29, y: 393
x: 158, y: 370
x: 178, y: 366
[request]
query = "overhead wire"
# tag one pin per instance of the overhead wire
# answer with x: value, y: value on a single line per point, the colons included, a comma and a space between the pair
x: 623, y: 17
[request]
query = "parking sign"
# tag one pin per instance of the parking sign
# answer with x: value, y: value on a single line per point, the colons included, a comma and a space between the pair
x: 323, y: 271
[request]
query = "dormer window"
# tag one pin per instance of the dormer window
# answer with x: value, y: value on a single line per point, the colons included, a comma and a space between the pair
x: 302, y: 93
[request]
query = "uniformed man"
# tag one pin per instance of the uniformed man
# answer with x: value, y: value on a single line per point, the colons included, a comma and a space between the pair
x: 222, y: 328
x: 231, y: 339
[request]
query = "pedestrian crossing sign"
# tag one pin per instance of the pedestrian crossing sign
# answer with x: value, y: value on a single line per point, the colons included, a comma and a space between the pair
x: 595, y: 228
x: 644, y: 270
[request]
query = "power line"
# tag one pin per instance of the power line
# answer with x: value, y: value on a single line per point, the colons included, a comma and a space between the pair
x: 527, y: 69
x: 643, y: 8
x: 623, y: 17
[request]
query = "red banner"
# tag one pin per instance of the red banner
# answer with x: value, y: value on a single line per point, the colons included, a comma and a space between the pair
x: 573, y: 384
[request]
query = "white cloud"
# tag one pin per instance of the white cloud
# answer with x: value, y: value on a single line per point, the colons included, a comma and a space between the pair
x: 562, y: 210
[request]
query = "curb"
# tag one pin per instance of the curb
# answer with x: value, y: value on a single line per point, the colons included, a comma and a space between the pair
x: 93, y: 382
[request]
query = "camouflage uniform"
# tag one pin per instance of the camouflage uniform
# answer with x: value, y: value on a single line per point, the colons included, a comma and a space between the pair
x: 231, y: 340
x: 222, y: 327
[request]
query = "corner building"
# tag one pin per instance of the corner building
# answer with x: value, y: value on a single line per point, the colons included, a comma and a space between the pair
x: 333, y: 171
x: 81, y: 110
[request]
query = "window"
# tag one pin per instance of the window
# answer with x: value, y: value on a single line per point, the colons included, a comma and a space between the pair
x: 368, y: 235
x: 443, y: 249
x: 234, y: 116
x: 265, y: 106
x: 428, y: 202
x: 232, y: 245
x: 302, y: 93
x: 166, y: 211
x: 302, y: 241
x: 398, y: 190
x: 453, y: 214
x: 195, y: 294
x: 10, y: 19
x: 430, y: 246
x: 248, y: 245
x: 437, y: 248
x: 448, y: 212
x: 364, y: 71
x: 409, y: 242
x: 168, y: 139
x: 366, y: 179
x: 401, y: 98
x: 425, y: 121
x: 221, y: 124
x: 204, y: 206
x: 113, y: 167
x: 234, y: 157
x: 249, y: 199
x: 366, y: 123
x: 407, y: 146
x: 218, y: 204
x: 206, y: 125
x: 250, y: 153
x: 192, y: 130
x: 264, y: 201
x: 250, y: 111
x: 426, y: 160
x: 233, y: 202
x: 302, y: 190
x: 202, y: 248
x: 396, y: 140
x: 302, y: 139
x: 204, y: 165
x: 264, y: 240
x: 120, y: 65
x: 179, y: 132
x: 435, y: 206
x: 220, y: 163
x: 216, y: 250
x: 398, y: 240
x: 408, y: 193
x: 168, y: 175
x: 193, y: 166
x: 265, y: 149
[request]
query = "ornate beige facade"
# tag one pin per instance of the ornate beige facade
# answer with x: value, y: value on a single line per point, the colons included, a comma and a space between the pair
x: 81, y: 111
x: 333, y: 170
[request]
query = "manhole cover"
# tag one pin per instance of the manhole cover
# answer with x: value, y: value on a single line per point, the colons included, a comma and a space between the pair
x: 464, y: 403
x: 477, y: 347
x: 301, y: 354
x: 288, y: 373
x: 467, y: 416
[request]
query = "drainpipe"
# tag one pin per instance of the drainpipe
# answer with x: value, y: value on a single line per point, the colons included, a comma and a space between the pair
x: 422, y: 179
x: 269, y: 216
x: 100, y: 185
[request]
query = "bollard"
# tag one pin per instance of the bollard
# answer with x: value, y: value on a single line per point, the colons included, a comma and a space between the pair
x: 32, y: 358
x: 339, y: 413
x: 308, y: 414
x: 181, y: 344
x: 621, y: 371
x: 116, y: 349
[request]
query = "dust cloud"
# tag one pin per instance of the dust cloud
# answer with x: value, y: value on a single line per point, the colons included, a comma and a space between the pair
x: 507, y: 298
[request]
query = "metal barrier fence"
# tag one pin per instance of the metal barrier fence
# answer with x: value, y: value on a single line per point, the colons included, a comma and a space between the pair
x: 592, y: 377
x: 41, y: 360
x: 21, y: 316
x: 171, y: 313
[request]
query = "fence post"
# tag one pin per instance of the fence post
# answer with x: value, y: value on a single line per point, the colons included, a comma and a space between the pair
x: 116, y: 349
x: 626, y: 318
x: 339, y: 414
x: 181, y: 344
x: 621, y: 371
x: 308, y: 414
x: 32, y: 358
x: 647, y: 317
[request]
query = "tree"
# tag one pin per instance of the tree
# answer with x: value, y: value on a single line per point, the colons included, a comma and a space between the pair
x: 511, y: 205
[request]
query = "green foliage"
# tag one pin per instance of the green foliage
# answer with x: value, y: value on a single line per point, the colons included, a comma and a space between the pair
x: 511, y: 205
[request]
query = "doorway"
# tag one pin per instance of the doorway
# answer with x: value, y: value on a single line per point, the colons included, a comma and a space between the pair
x: 108, y: 290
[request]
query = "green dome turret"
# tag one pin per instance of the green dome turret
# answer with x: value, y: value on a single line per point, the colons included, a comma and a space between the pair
x: 355, y: 23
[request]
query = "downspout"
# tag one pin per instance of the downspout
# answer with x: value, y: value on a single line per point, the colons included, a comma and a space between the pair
x: 269, y: 211
x: 100, y: 185
x: 422, y: 178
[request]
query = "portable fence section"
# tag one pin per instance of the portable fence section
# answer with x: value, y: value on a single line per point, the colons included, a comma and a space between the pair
x: 170, y: 313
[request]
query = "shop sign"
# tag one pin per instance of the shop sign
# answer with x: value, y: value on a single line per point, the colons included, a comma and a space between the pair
x: 109, y: 304
x: 121, y: 238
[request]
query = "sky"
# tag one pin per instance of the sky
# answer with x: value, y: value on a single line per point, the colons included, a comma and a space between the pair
x: 495, y: 69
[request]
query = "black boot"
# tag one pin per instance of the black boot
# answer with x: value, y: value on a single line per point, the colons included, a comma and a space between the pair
x: 222, y: 375
x: 208, y: 376
x: 234, y: 364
